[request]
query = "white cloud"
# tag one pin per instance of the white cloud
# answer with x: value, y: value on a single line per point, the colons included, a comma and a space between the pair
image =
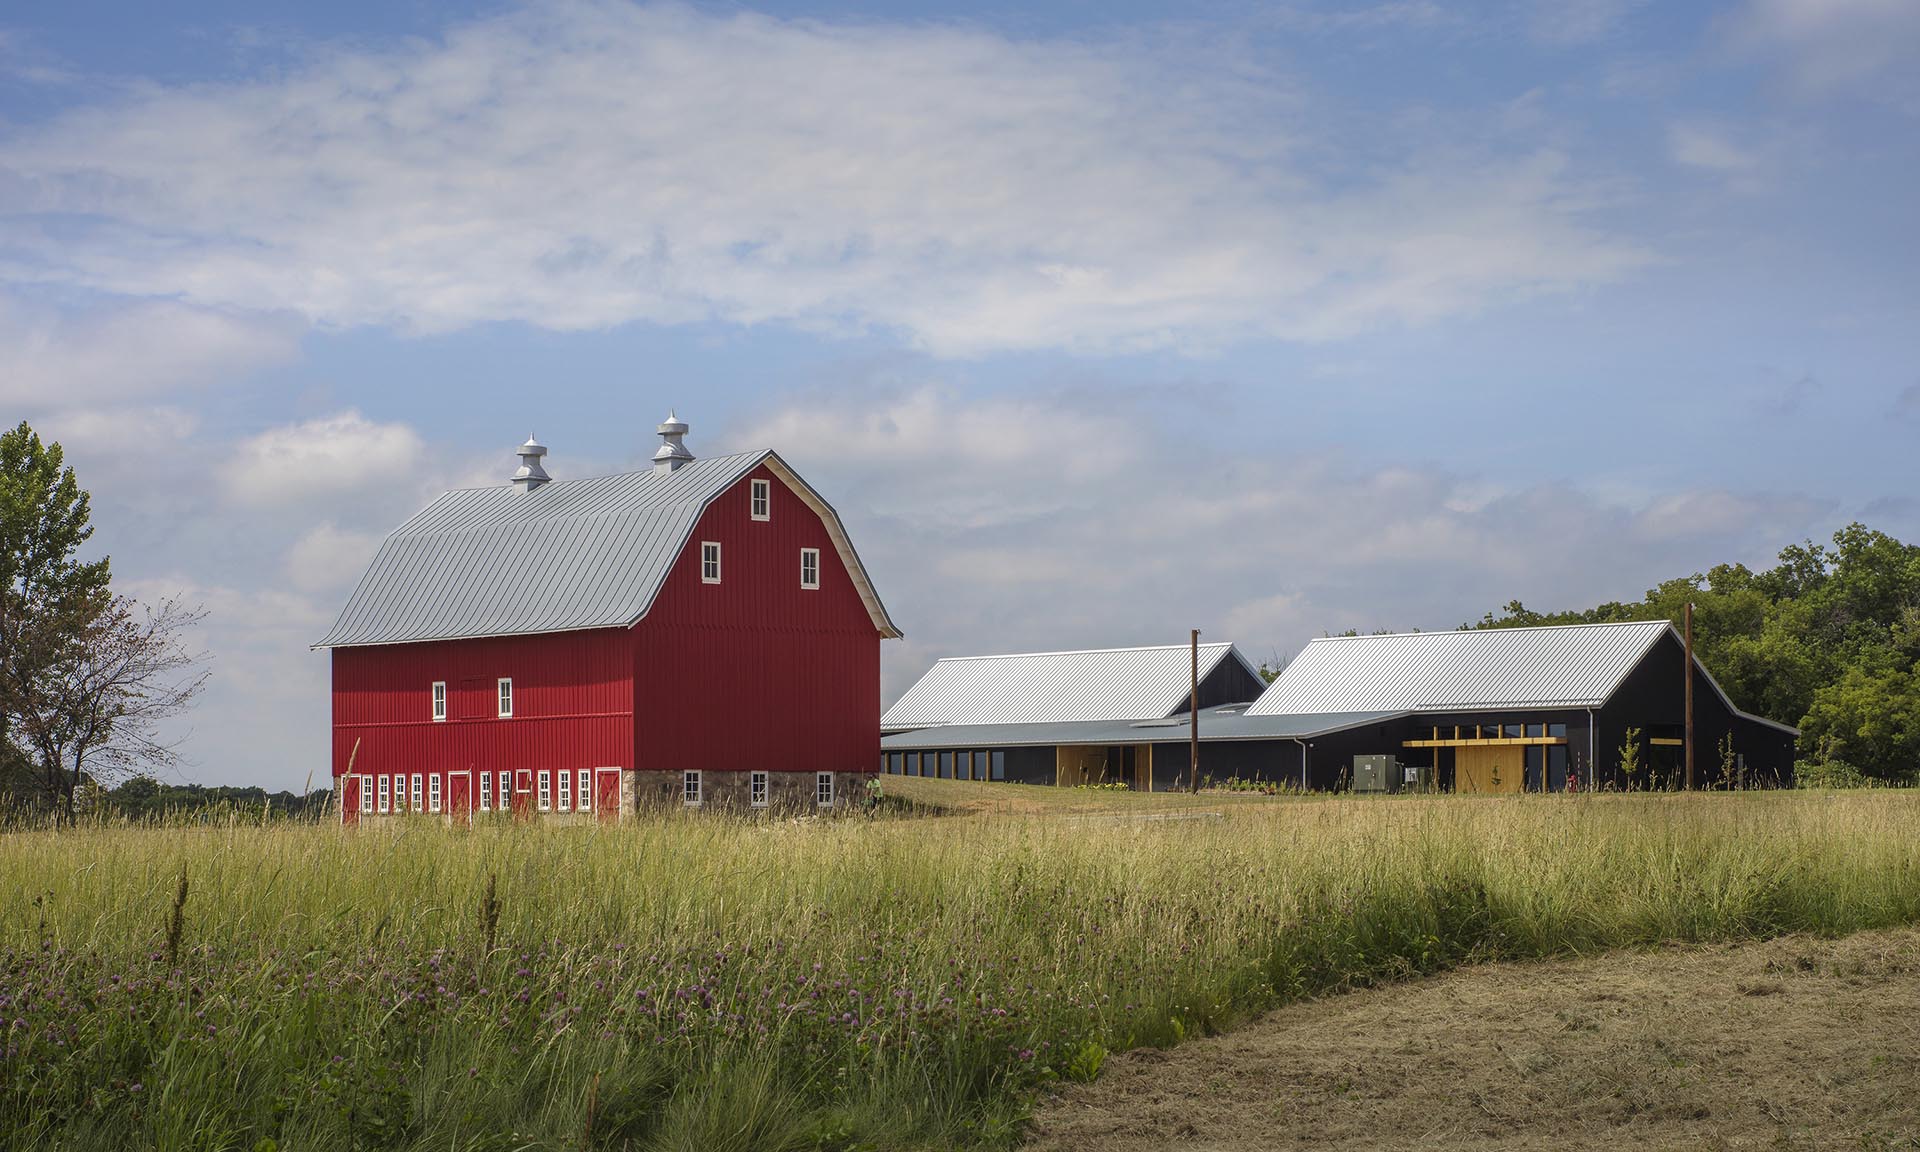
x: 1864, y: 47
x: 578, y: 165
x: 330, y: 559
x: 328, y: 456
x: 51, y: 357
x: 263, y: 716
x: 1704, y: 146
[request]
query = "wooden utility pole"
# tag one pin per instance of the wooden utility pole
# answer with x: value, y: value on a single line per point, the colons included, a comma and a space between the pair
x: 1689, y: 695
x: 1193, y: 713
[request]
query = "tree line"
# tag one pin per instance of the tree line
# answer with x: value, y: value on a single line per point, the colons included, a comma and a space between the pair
x: 1828, y: 639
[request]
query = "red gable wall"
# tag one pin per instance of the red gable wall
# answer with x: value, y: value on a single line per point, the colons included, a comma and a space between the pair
x: 757, y: 672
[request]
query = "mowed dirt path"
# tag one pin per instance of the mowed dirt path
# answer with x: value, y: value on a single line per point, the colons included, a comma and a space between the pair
x: 1793, y: 1043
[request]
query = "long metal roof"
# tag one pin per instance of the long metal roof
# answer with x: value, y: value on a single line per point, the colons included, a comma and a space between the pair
x: 1557, y: 666
x: 569, y: 555
x: 1214, y: 726
x: 1052, y: 687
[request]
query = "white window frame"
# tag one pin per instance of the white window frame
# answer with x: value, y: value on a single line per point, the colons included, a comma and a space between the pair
x: 810, y: 566
x: 691, y: 791
x: 386, y: 793
x: 823, y: 789
x: 709, y: 561
x: 507, y: 789
x: 503, y: 696
x: 433, y: 792
x: 760, y: 499
x: 366, y: 795
x: 419, y: 782
x: 439, y: 701
x: 564, y: 794
x: 486, y: 791
x: 757, y: 789
x: 544, y: 785
x: 583, y: 790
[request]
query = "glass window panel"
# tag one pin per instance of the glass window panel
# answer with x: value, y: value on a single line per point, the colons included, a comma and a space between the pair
x: 1536, y: 729
x: 946, y: 765
x: 999, y: 765
x: 1557, y: 731
x: 1512, y: 731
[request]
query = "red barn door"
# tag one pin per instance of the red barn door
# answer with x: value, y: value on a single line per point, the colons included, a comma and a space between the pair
x: 350, y: 800
x: 460, y: 796
x: 606, y: 793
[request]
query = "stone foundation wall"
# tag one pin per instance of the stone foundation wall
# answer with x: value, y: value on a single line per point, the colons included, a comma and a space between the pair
x: 788, y: 793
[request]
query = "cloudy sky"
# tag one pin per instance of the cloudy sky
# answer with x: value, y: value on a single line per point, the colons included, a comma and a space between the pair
x: 1098, y: 321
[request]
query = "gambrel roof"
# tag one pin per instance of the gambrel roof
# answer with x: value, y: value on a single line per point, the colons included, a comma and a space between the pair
x: 568, y: 555
x: 1557, y: 666
x: 1050, y: 687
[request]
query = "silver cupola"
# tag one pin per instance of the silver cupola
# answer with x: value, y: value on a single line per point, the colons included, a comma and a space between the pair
x: 530, y: 474
x: 672, y: 453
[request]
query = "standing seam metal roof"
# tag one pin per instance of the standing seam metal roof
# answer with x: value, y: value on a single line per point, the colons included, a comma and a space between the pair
x: 569, y: 555
x: 1215, y: 727
x: 1556, y: 666
x: 1044, y: 687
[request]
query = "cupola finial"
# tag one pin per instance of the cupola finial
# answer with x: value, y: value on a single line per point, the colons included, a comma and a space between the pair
x: 530, y: 474
x: 672, y: 453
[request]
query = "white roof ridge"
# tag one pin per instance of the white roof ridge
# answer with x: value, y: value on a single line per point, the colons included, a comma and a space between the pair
x: 1496, y: 629
x: 1083, y: 652
x: 647, y: 471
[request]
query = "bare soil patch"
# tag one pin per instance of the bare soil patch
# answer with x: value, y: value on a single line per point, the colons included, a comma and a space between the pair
x: 1791, y: 1043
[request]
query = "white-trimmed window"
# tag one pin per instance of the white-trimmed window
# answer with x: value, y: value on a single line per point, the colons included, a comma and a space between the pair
x: 506, y: 696
x: 418, y: 787
x: 566, y: 790
x: 809, y: 567
x: 823, y: 789
x: 433, y: 792
x: 506, y: 791
x: 386, y: 782
x: 366, y: 795
x: 761, y: 499
x: 584, y: 792
x: 545, y: 796
x: 486, y: 791
x: 690, y: 786
x: 757, y: 789
x: 709, y: 562
x: 439, y: 699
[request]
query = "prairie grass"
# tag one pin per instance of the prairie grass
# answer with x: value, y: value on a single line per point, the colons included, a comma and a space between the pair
x: 701, y: 983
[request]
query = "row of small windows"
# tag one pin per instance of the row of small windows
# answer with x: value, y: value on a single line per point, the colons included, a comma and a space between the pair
x: 503, y: 698
x: 710, y: 565
x: 693, y: 790
x: 400, y: 792
x: 948, y: 765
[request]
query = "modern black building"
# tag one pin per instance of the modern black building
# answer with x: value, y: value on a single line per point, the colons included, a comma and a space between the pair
x: 1493, y: 710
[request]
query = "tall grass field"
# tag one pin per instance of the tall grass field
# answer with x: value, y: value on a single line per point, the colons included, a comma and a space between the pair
x: 863, y: 982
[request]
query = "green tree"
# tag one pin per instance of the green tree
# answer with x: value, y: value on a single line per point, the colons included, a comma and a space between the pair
x: 48, y: 596
x: 85, y: 676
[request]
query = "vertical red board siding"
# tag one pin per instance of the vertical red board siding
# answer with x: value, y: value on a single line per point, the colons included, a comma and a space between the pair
x: 572, y: 705
x: 757, y: 672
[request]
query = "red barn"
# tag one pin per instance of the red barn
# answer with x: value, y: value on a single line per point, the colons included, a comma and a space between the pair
x: 699, y: 633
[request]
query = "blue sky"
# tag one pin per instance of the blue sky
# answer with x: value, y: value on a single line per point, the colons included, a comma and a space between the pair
x: 1097, y: 321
